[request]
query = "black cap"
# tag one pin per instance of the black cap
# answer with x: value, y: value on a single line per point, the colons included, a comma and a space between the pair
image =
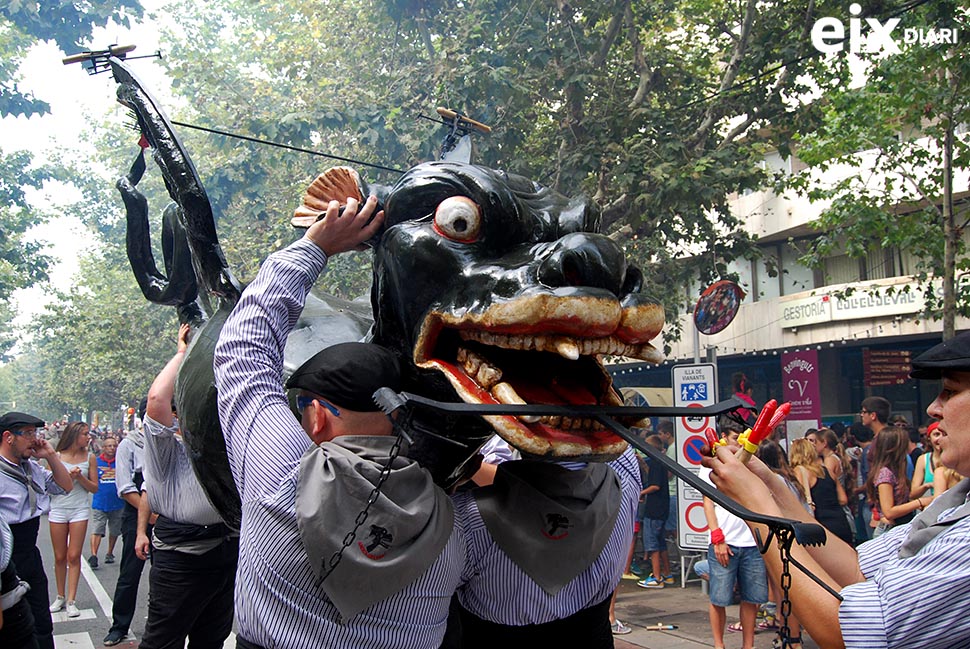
x: 13, y: 420
x: 349, y: 374
x: 953, y: 354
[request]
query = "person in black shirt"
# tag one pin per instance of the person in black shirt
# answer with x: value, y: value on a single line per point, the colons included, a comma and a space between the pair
x: 656, y: 499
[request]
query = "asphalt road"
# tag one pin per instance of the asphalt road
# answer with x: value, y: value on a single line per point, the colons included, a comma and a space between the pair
x: 94, y: 594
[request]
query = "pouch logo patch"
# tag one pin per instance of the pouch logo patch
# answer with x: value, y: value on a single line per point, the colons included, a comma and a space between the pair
x: 379, y: 538
x: 557, y: 527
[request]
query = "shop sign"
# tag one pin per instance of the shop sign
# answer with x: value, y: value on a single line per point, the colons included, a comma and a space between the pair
x: 882, y: 301
x: 886, y: 366
x: 800, y: 386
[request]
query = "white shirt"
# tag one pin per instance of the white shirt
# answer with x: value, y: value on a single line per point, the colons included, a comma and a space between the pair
x: 736, y: 531
x: 915, y: 603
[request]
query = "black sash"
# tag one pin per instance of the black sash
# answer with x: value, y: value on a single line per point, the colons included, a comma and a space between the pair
x: 25, y: 536
x: 8, y: 579
x: 588, y: 628
x: 175, y: 533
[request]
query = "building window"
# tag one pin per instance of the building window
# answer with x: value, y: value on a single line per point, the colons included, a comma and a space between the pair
x: 880, y: 263
x: 841, y: 269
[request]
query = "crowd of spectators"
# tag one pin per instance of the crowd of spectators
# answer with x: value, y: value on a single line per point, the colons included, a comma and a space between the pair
x: 858, y: 481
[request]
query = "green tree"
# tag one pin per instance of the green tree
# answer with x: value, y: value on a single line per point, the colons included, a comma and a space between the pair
x: 659, y: 111
x: 22, y: 24
x: 100, y: 344
x: 900, y: 132
x: 22, y: 262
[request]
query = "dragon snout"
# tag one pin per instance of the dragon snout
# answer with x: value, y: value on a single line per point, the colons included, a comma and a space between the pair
x: 587, y: 260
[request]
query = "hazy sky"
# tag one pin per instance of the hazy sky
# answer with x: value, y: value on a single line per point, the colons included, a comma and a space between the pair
x: 76, y: 99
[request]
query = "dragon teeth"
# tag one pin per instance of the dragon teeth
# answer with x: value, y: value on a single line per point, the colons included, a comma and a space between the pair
x: 571, y: 423
x: 470, y: 361
x: 478, y: 368
x: 568, y: 348
x: 506, y: 394
x: 488, y: 376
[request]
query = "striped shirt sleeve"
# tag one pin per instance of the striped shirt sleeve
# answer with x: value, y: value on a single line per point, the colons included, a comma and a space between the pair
x: 918, y: 602
x: 125, y: 468
x: 279, y: 601
x: 263, y: 439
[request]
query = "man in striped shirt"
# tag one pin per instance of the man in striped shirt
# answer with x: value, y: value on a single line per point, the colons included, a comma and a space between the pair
x: 908, y: 587
x: 298, y: 583
x: 556, y: 535
x: 193, y: 552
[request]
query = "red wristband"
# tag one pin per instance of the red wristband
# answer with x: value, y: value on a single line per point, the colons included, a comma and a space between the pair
x: 717, y: 536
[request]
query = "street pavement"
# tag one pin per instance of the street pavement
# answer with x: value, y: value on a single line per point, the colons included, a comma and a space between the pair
x: 94, y: 594
x: 687, y: 608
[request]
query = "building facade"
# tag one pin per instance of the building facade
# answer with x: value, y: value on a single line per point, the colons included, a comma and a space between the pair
x: 855, y: 323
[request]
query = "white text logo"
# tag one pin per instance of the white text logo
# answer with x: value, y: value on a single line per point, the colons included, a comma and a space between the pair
x: 829, y: 35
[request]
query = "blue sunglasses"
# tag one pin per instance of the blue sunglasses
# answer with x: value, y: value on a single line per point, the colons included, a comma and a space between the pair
x: 303, y: 402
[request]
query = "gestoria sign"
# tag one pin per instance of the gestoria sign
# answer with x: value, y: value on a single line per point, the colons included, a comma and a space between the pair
x: 875, y: 302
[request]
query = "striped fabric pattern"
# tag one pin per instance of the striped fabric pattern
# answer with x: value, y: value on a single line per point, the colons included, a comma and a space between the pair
x: 278, y: 603
x: 14, y: 501
x: 173, y: 489
x: 129, y: 459
x: 919, y: 602
x: 493, y: 576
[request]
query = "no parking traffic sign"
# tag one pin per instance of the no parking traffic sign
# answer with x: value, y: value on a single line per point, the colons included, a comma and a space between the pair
x: 694, y: 516
x: 692, y: 449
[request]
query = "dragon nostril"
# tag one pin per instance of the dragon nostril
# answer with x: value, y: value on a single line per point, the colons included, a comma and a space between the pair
x: 584, y: 259
x: 572, y: 269
x: 632, y: 282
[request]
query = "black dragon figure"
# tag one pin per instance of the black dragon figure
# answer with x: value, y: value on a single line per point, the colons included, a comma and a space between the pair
x: 494, y: 289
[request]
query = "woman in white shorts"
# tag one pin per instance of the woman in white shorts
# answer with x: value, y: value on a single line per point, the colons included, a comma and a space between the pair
x: 70, y: 512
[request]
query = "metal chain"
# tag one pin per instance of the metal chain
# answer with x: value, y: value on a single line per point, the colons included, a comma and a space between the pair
x: 371, y: 499
x: 785, y: 538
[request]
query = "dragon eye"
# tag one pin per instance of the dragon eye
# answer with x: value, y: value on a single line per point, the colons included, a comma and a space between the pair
x: 458, y: 218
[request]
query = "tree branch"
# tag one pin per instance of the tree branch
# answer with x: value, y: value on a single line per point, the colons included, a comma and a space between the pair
x: 758, y: 112
x: 739, y: 129
x: 727, y: 80
x: 615, y: 211
x: 639, y: 62
x: 612, y: 30
x: 724, y: 29
x: 911, y: 179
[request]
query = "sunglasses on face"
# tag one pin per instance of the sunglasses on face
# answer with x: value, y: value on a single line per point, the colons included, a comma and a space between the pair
x: 303, y: 402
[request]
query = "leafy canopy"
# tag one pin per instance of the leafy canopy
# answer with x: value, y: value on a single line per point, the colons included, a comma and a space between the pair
x: 900, y: 136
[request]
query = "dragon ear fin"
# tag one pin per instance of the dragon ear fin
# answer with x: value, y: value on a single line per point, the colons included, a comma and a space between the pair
x: 336, y: 183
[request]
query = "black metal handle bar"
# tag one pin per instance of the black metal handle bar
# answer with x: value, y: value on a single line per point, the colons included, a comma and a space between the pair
x: 803, y: 533
x: 389, y: 397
